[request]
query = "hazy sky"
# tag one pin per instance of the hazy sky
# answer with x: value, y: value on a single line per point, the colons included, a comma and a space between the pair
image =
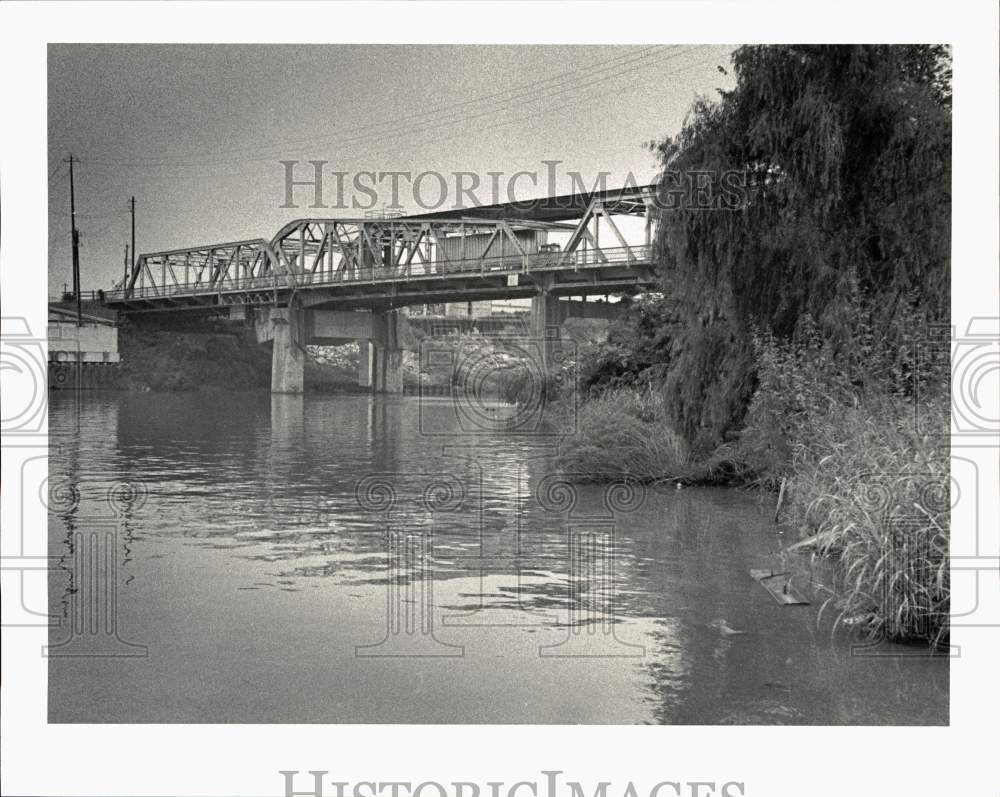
x: 196, y: 132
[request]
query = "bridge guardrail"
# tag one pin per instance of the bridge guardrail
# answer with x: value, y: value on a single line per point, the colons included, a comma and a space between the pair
x: 507, y: 264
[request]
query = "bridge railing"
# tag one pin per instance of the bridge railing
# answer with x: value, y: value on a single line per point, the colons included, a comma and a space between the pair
x: 589, y: 258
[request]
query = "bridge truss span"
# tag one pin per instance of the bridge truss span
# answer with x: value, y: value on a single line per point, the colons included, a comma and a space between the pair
x: 385, y: 262
x: 168, y: 277
x: 328, y: 250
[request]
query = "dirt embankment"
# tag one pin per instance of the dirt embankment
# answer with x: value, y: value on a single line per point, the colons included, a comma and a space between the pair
x: 162, y: 359
x: 211, y: 358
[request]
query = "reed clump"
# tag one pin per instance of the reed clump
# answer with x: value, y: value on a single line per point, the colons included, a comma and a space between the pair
x: 624, y: 432
x: 872, y: 493
x: 863, y: 449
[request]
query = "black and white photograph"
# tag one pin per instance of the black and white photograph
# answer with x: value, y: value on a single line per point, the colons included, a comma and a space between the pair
x: 423, y: 389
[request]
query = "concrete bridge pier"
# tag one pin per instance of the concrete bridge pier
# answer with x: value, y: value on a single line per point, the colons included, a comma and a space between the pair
x: 380, y: 353
x: 366, y: 364
x: 382, y: 337
x: 387, y: 353
x: 288, y: 352
x: 544, y: 324
x: 388, y: 370
x: 380, y: 369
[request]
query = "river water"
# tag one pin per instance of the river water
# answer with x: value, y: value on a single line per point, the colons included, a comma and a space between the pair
x: 238, y: 557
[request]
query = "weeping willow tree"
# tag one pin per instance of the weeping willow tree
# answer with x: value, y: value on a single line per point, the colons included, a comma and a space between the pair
x: 828, y: 174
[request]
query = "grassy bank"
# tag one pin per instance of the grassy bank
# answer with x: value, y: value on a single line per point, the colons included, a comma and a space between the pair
x: 788, y: 352
x: 869, y: 491
x: 857, y: 438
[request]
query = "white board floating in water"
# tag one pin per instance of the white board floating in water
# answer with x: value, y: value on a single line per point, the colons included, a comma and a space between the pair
x: 779, y: 585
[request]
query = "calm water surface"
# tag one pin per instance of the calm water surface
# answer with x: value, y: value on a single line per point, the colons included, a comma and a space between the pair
x: 357, y: 559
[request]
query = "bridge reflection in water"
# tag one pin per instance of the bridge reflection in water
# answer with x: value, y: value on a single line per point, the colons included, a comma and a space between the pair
x: 286, y: 545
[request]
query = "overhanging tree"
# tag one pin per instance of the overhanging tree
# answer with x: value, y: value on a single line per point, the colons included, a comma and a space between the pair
x: 843, y: 157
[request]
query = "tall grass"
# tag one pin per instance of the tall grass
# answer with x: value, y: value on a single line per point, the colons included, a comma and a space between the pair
x: 872, y: 490
x: 623, y: 432
x: 867, y: 478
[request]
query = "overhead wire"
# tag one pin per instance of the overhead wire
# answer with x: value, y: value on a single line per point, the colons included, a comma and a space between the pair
x: 432, y: 129
x: 518, y: 92
x: 434, y: 112
x: 432, y: 120
x: 561, y: 86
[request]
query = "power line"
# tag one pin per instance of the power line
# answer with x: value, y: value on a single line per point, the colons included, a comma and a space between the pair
x: 57, y: 211
x: 550, y: 111
x: 83, y: 233
x: 371, y: 145
x: 409, y: 133
x: 517, y: 90
x: 509, y: 106
x: 91, y: 216
x: 434, y: 128
x: 433, y: 119
x: 97, y: 233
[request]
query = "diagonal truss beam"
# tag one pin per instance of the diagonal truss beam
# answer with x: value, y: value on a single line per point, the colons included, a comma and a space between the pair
x: 317, y: 251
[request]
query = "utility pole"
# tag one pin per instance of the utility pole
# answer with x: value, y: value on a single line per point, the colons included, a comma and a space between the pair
x: 132, y: 208
x: 76, y: 245
x: 125, y: 266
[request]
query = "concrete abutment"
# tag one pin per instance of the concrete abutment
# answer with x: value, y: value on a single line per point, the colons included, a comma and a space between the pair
x: 382, y: 337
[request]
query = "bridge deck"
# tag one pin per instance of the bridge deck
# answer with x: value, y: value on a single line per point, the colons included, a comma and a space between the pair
x: 498, y: 252
x: 515, y: 275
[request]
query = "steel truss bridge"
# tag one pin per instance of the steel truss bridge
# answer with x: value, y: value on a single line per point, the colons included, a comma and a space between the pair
x: 488, y: 252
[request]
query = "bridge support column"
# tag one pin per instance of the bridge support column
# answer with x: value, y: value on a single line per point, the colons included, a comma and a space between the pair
x: 287, y: 354
x: 366, y: 364
x: 545, y: 322
x: 380, y: 366
x: 389, y: 371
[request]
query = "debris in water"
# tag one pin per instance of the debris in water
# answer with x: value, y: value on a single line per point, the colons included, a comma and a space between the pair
x: 781, y: 498
x: 779, y: 585
x: 778, y: 685
x: 723, y: 626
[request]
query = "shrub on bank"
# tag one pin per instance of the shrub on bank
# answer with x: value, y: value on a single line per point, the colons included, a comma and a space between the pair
x: 623, y: 432
x: 190, y: 359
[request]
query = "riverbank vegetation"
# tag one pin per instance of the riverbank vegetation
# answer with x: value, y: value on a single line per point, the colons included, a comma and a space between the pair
x: 219, y: 356
x: 790, y: 342
x: 208, y: 358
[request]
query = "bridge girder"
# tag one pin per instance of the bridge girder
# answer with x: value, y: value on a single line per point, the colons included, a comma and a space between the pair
x: 335, y: 253
x: 201, y: 269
